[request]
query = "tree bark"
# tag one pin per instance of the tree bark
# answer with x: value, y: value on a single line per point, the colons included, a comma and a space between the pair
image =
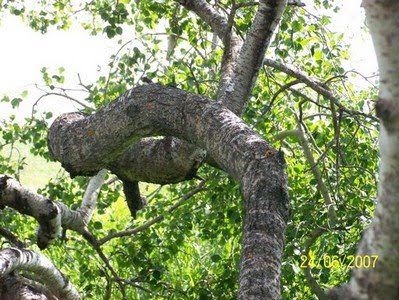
x: 50, y: 214
x: 381, y: 238
x: 12, y: 259
x: 82, y: 142
x: 252, y: 54
x: 12, y: 287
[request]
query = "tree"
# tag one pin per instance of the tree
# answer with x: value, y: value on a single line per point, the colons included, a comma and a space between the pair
x: 186, y: 129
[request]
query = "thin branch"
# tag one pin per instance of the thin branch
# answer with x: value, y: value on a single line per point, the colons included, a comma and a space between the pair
x: 315, y: 170
x: 155, y: 220
x: 282, y: 89
x: 60, y: 95
x: 318, y: 87
x: 314, y: 286
x: 112, y: 66
x: 12, y: 238
x: 96, y: 246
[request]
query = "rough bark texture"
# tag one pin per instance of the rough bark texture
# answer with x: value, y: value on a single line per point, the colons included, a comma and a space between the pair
x: 207, y: 13
x: 162, y: 161
x: 15, y: 287
x: 12, y: 288
x: 178, y: 160
x: 45, y: 211
x: 20, y: 259
x: 252, y: 54
x: 133, y: 198
x: 382, y: 237
x: 80, y: 141
x: 50, y: 214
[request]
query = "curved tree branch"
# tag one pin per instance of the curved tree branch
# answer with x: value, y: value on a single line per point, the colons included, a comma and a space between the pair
x: 79, y: 219
x: 208, y: 14
x: 88, y: 143
x: 161, y: 161
x: 45, y: 211
x: 224, y: 30
x: 12, y: 259
x: 13, y: 286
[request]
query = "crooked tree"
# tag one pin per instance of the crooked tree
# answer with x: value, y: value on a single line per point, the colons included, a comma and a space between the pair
x: 225, y: 110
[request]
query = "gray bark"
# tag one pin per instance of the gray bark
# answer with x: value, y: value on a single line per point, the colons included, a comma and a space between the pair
x: 133, y: 198
x: 12, y: 259
x: 45, y: 211
x: 381, y: 238
x: 12, y: 287
x: 80, y: 142
x: 332, y: 215
x: 50, y: 214
x: 160, y: 161
x: 252, y: 54
x: 164, y: 161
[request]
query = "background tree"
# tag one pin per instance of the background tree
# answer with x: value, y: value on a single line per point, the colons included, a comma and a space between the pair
x: 312, y: 113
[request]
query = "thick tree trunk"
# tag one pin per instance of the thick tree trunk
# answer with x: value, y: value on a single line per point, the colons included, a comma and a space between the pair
x: 381, y: 238
x: 83, y: 143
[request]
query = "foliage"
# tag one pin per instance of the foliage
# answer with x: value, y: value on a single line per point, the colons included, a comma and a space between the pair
x: 194, y: 252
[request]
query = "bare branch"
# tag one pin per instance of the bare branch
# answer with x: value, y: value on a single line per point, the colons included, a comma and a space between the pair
x: 45, y: 211
x: 232, y: 45
x: 315, y: 85
x: 296, y: 3
x: 80, y: 141
x: 223, y: 28
x: 64, y: 95
x: 79, y: 219
x: 208, y: 14
x: 14, y: 286
x: 314, y: 286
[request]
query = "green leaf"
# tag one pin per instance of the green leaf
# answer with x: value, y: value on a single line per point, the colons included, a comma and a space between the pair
x: 5, y: 99
x: 318, y: 54
x: 24, y: 94
x: 97, y: 225
x: 15, y: 102
x: 296, y: 26
x: 215, y: 258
